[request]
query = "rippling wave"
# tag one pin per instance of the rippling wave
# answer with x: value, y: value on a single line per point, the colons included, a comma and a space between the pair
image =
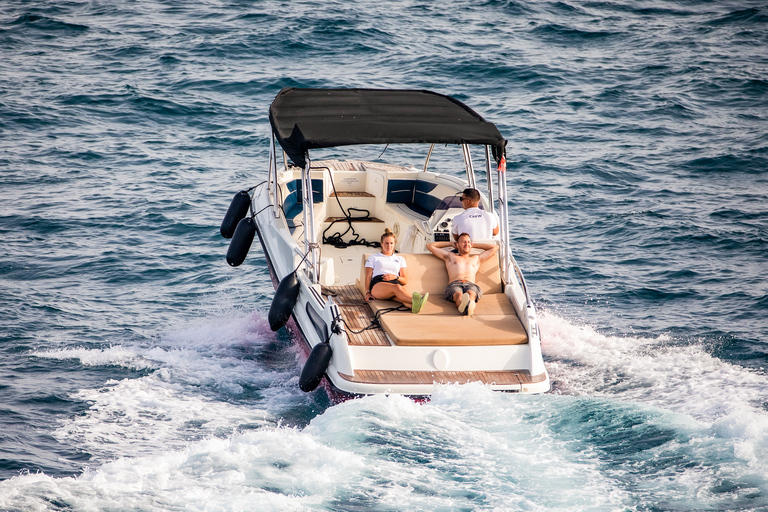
x: 137, y: 368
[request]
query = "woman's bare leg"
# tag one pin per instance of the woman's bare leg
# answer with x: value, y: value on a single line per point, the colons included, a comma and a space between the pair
x: 385, y: 291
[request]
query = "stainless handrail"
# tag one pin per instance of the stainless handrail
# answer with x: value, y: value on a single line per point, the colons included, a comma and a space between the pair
x: 308, y: 215
x: 468, y: 166
x: 272, y: 175
x: 429, y: 154
x: 503, y: 216
x: 521, y: 279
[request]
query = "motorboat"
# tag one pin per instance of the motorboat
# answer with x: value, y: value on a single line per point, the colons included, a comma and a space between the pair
x: 318, y: 220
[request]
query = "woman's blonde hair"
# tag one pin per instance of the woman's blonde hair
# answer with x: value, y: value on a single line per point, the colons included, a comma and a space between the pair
x: 387, y: 233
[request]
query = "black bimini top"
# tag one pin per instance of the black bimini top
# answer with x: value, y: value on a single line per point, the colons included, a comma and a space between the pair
x: 304, y: 119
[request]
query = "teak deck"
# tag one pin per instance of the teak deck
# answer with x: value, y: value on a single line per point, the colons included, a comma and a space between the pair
x: 351, y: 194
x: 365, y: 219
x: 357, y: 315
x: 503, y: 377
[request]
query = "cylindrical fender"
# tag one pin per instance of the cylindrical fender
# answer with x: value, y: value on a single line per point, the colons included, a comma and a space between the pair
x: 315, y: 367
x: 241, y: 241
x: 237, y: 210
x: 285, y: 299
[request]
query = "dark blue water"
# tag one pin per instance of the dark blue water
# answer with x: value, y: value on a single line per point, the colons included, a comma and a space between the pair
x: 137, y: 370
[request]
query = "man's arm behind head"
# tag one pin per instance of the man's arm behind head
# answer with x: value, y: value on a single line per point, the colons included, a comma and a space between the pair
x: 440, y: 249
x: 488, y: 250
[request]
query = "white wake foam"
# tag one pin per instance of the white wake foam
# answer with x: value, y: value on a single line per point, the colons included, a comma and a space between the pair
x: 184, y: 437
x: 725, y: 399
x: 469, y: 449
x: 203, y: 381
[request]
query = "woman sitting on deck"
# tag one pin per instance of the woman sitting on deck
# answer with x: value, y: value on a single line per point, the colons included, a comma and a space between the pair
x: 385, y: 276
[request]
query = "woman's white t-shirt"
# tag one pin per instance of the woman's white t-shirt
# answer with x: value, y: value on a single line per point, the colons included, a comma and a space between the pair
x: 382, y: 264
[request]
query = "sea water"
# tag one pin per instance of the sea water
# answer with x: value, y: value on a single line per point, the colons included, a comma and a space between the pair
x: 138, y: 371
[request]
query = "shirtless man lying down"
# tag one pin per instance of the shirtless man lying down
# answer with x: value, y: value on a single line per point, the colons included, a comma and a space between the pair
x: 462, y: 268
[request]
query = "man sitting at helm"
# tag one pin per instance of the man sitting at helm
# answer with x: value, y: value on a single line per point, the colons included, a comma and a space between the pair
x: 478, y: 224
x: 462, y: 269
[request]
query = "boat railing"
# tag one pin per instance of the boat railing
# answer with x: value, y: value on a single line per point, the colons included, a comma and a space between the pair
x: 468, y: 165
x: 489, y: 175
x: 520, y: 279
x: 272, y: 179
x: 303, y: 260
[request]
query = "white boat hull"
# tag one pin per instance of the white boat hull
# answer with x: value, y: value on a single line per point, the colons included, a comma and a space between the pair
x: 356, y: 369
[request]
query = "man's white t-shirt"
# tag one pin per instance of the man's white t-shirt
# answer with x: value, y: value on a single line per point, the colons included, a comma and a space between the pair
x: 478, y: 224
x: 382, y: 264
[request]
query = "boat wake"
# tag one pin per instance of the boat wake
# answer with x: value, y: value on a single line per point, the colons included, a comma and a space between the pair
x: 215, y: 378
x: 215, y: 420
x: 676, y: 375
x: 717, y: 409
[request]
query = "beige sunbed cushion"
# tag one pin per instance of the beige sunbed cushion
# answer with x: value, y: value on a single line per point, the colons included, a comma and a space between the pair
x: 490, y: 304
x: 439, y: 322
x: 432, y: 330
x: 426, y: 274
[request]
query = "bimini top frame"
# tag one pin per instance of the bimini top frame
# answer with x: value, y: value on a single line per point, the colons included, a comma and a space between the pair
x: 304, y: 119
